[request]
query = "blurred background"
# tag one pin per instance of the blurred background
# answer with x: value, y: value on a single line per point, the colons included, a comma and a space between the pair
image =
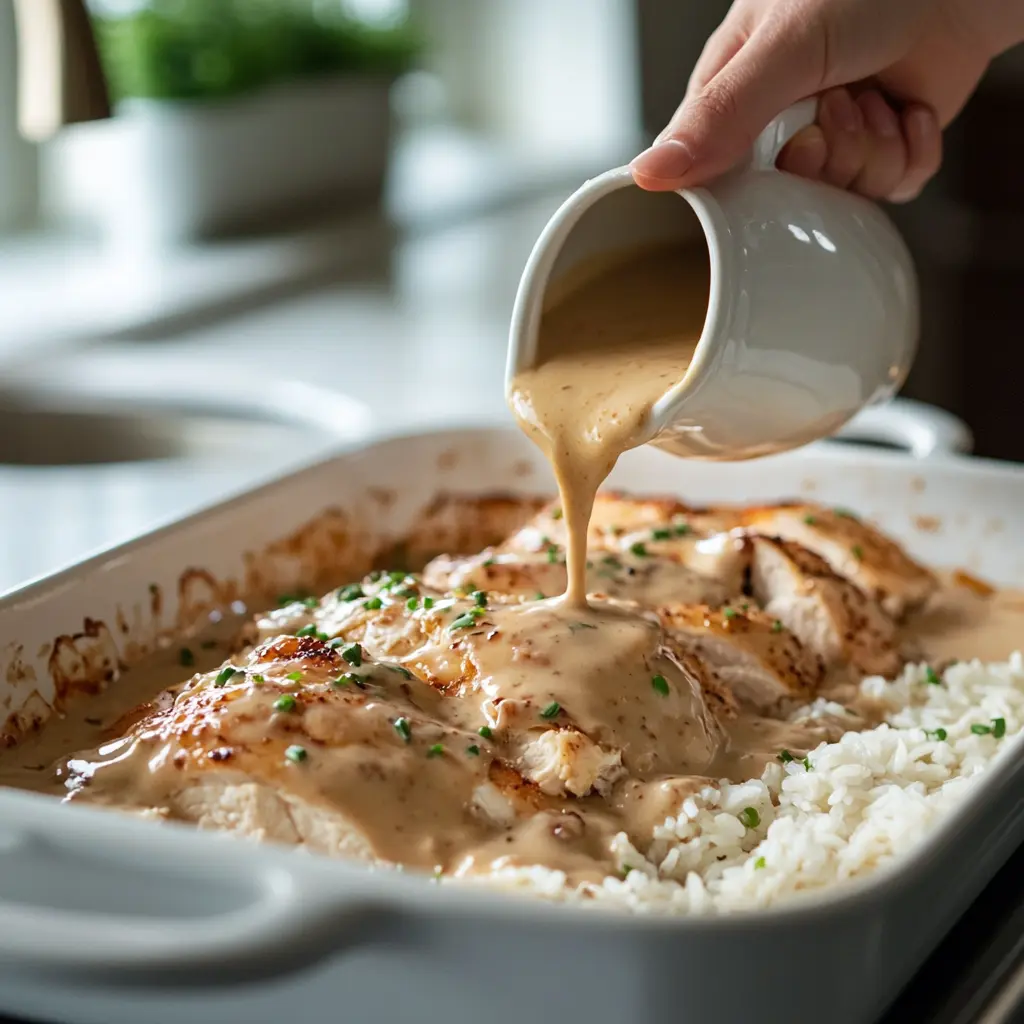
x: 303, y: 218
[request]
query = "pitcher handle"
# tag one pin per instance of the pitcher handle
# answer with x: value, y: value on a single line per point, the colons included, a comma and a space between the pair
x: 780, y: 130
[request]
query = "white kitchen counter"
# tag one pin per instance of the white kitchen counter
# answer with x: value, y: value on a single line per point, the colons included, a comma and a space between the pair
x: 419, y: 337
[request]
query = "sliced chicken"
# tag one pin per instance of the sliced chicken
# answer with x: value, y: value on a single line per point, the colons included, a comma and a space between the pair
x: 649, y: 579
x: 852, y: 548
x: 753, y: 654
x: 826, y: 612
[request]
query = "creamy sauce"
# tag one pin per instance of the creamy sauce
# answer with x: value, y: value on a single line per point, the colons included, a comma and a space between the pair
x: 607, y: 350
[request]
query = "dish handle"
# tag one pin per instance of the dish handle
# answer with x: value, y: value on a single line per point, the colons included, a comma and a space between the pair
x: 922, y: 430
x: 96, y: 904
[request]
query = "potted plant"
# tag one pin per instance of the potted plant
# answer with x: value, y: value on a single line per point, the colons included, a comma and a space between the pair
x: 231, y: 115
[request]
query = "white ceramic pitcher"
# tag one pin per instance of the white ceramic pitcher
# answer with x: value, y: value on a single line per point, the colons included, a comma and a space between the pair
x: 812, y: 312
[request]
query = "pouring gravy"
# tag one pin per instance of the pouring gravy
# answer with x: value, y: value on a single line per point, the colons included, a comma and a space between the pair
x: 610, y: 345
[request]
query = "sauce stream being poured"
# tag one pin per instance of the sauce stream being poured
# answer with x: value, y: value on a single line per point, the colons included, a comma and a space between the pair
x: 612, y: 341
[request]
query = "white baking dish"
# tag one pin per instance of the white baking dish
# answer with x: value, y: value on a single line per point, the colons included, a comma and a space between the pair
x: 108, y: 919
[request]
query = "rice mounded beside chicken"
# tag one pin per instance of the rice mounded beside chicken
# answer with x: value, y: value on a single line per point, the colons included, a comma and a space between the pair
x: 847, y: 809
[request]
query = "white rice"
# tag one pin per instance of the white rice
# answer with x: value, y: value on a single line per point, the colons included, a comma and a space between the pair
x: 867, y: 798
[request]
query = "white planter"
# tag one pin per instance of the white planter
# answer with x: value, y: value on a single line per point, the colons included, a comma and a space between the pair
x: 163, y: 173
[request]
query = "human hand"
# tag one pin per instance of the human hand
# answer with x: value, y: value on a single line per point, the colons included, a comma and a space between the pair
x: 891, y: 74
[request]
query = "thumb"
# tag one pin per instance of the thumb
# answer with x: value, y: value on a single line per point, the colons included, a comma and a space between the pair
x: 716, y: 126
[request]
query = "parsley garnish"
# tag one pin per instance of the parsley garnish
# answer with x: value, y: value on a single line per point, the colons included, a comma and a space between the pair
x: 551, y: 710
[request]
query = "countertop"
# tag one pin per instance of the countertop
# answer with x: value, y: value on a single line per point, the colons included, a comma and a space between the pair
x: 414, y: 328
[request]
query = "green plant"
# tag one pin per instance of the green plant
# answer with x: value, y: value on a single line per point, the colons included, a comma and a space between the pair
x: 212, y: 49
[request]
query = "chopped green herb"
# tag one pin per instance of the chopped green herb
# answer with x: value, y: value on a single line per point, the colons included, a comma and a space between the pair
x: 661, y: 534
x: 373, y: 603
x: 807, y: 764
x: 295, y: 753
x: 552, y: 555
x: 845, y: 513
x: 759, y: 863
x: 810, y: 520
x: 936, y: 734
x: 473, y: 750
x: 309, y: 630
x: 186, y: 657
x: 351, y: 592
x: 375, y: 575
x: 286, y: 702
x: 397, y: 577
x: 639, y: 549
x: 749, y: 817
x: 776, y: 626
x: 400, y: 669
x: 857, y: 551
x: 436, y: 750
x: 931, y: 676
x: 347, y: 679
x: 981, y: 730
x: 224, y: 675
x: 556, y: 513
x: 730, y: 613
x: 488, y: 563
x: 428, y: 603
x: 785, y: 756
x: 403, y: 728
x: 464, y: 621
x: 353, y: 654
x: 486, y: 731
x: 682, y: 529
x: 660, y: 684
x: 412, y: 604
x: 551, y: 710
x: 745, y: 606
x: 538, y: 596
x: 294, y: 676
x: 258, y: 680
x: 311, y: 602
x: 479, y: 598
x: 999, y: 728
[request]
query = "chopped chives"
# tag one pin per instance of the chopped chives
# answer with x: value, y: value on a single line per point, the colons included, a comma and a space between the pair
x: 810, y: 520
x: 412, y: 604
x: 556, y: 513
x: 981, y: 730
x: 373, y: 603
x: 936, y: 734
x: 488, y: 563
x: 931, y: 676
x: 403, y: 728
x: 785, y: 756
x: 551, y: 710
x: 464, y: 621
x: 473, y: 750
x: 294, y: 676
x: 309, y: 630
x: 311, y: 602
x: 729, y: 613
x: 639, y: 549
x: 258, y: 680
x: 807, y: 764
x: 286, y: 702
x: 224, y: 675
x: 428, y: 603
x: 479, y: 598
x: 538, y: 596
x: 759, y: 863
x: 353, y: 654
x: 660, y: 684
x: 661, y: 534
x: 552, y: 555
x: 295, y: 753
x: 346, y: 679
x: 351, y: 592
x: 486, y: 731
x: 682, y: 529
x: 749, y: 817
x: 436, y: 750
x: 186, y: 657
x: 776, y: 626
x: 999, y: 728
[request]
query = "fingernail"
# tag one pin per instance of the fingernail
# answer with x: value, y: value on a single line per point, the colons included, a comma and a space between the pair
x: 840, y: 110
x: 920, y: 123
x: 668, y: 159
x: 880, y: 118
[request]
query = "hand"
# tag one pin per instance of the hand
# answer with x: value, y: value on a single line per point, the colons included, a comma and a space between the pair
x: 891, y: 74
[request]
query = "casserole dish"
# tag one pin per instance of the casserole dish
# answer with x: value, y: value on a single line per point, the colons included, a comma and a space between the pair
x: 104, y: 918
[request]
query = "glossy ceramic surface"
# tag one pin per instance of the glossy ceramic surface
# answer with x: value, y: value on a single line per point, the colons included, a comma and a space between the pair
x: 812, y: 313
